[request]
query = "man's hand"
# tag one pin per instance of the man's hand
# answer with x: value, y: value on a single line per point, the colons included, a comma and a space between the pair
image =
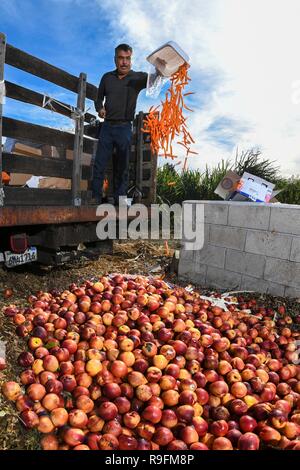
x: 102, y: 113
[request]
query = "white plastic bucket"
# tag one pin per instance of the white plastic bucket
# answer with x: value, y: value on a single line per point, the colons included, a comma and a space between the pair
x: 168, y: 58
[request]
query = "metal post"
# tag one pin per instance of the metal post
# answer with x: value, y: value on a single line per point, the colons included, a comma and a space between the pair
x: 2, y: 62
x: 78, y: 142
x: 139, y: 153
x: 152, y: 196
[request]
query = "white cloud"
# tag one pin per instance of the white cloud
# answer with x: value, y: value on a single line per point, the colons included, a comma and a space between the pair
x: 244, y: 61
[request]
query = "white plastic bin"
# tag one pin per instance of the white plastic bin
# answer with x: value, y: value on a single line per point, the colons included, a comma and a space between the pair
x: 168, y: 58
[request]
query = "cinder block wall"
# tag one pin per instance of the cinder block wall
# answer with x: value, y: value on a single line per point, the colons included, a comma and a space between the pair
x: 247, y: 246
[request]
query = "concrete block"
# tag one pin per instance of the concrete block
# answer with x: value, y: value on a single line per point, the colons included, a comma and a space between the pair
x: 229, y: 237
x: 285, y: 220
x: 259, y: 285
x: 186, y: 255
x: 207, y: 229
x: 249, y: 216
x: 200, y: 241
x: 282, y: 272
x: 185, y: 267
x: 199, y: 276
x: 252, y: 283
x: 295, y: 252
x: 187, y: 272
x: 210, y: 255
x: 275, y: 289
x: 222, y: 279
x: 292, y: 292
x: 195, y: 232
x: 245, y: 263
x: 268, y: 243
x: 216, y: 214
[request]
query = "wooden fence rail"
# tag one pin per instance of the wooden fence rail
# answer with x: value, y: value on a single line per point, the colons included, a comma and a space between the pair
x: 26, y: 95
x: 142, y: 165
x: 41, y: 166
x: 23, y: 61
x: 33, y: 132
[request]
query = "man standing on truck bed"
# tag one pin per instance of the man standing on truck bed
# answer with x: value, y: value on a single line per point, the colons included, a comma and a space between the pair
x: 120, y: 88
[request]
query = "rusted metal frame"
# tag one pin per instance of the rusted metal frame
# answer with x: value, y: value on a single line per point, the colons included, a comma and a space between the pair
x: 39, y: 215
x: 78, y: 142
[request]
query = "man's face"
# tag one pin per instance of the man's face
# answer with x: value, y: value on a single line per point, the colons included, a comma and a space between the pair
x: 123, y: 62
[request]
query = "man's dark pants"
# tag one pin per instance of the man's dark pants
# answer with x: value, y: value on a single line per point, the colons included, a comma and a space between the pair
x: 118, y: 136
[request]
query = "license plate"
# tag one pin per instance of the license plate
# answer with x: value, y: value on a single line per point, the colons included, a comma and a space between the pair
x: 14, y: 259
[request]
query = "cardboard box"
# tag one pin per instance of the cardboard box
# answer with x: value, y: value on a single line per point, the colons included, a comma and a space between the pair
x: 56, y: 152
x: 86, y: 157
x: 247, y: 187
x: 60, y: 183
x: 228, y: 185
x: 255, y: 188
x: 23, y: 149
x: 43, y: 182
x: 19, y: 179
x: 54, y: 183
x: 32, y: 150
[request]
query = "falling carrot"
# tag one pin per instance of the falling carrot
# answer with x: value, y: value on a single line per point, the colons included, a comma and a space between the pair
x: 170, y: 122
x: 167, y: 248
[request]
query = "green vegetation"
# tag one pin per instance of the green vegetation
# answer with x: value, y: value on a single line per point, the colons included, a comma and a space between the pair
x: 176, y: 187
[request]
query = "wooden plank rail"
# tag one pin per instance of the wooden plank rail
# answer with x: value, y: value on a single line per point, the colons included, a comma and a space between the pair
x: 142, y: 164
x: 40, y: 197
x: 26, y: 95
x: 27, y: 62
x: 35, y: 133
x: 91, y: 92
x: 41, y: 166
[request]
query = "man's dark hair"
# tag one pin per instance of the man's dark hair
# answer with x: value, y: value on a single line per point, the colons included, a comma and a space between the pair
x: 122, y: 47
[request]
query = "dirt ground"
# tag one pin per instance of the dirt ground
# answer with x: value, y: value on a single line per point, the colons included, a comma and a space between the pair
x: 129, y: 257
x: 134, y: 257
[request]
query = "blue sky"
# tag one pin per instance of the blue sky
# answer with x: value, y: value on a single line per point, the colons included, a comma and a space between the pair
x: 247, y: 84
x: 74, y: 36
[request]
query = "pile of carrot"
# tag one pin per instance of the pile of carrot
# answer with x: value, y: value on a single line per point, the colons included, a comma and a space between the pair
x: 170, y: 123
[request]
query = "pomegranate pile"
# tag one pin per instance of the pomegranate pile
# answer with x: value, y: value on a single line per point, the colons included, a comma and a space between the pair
x: 130, y: 362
